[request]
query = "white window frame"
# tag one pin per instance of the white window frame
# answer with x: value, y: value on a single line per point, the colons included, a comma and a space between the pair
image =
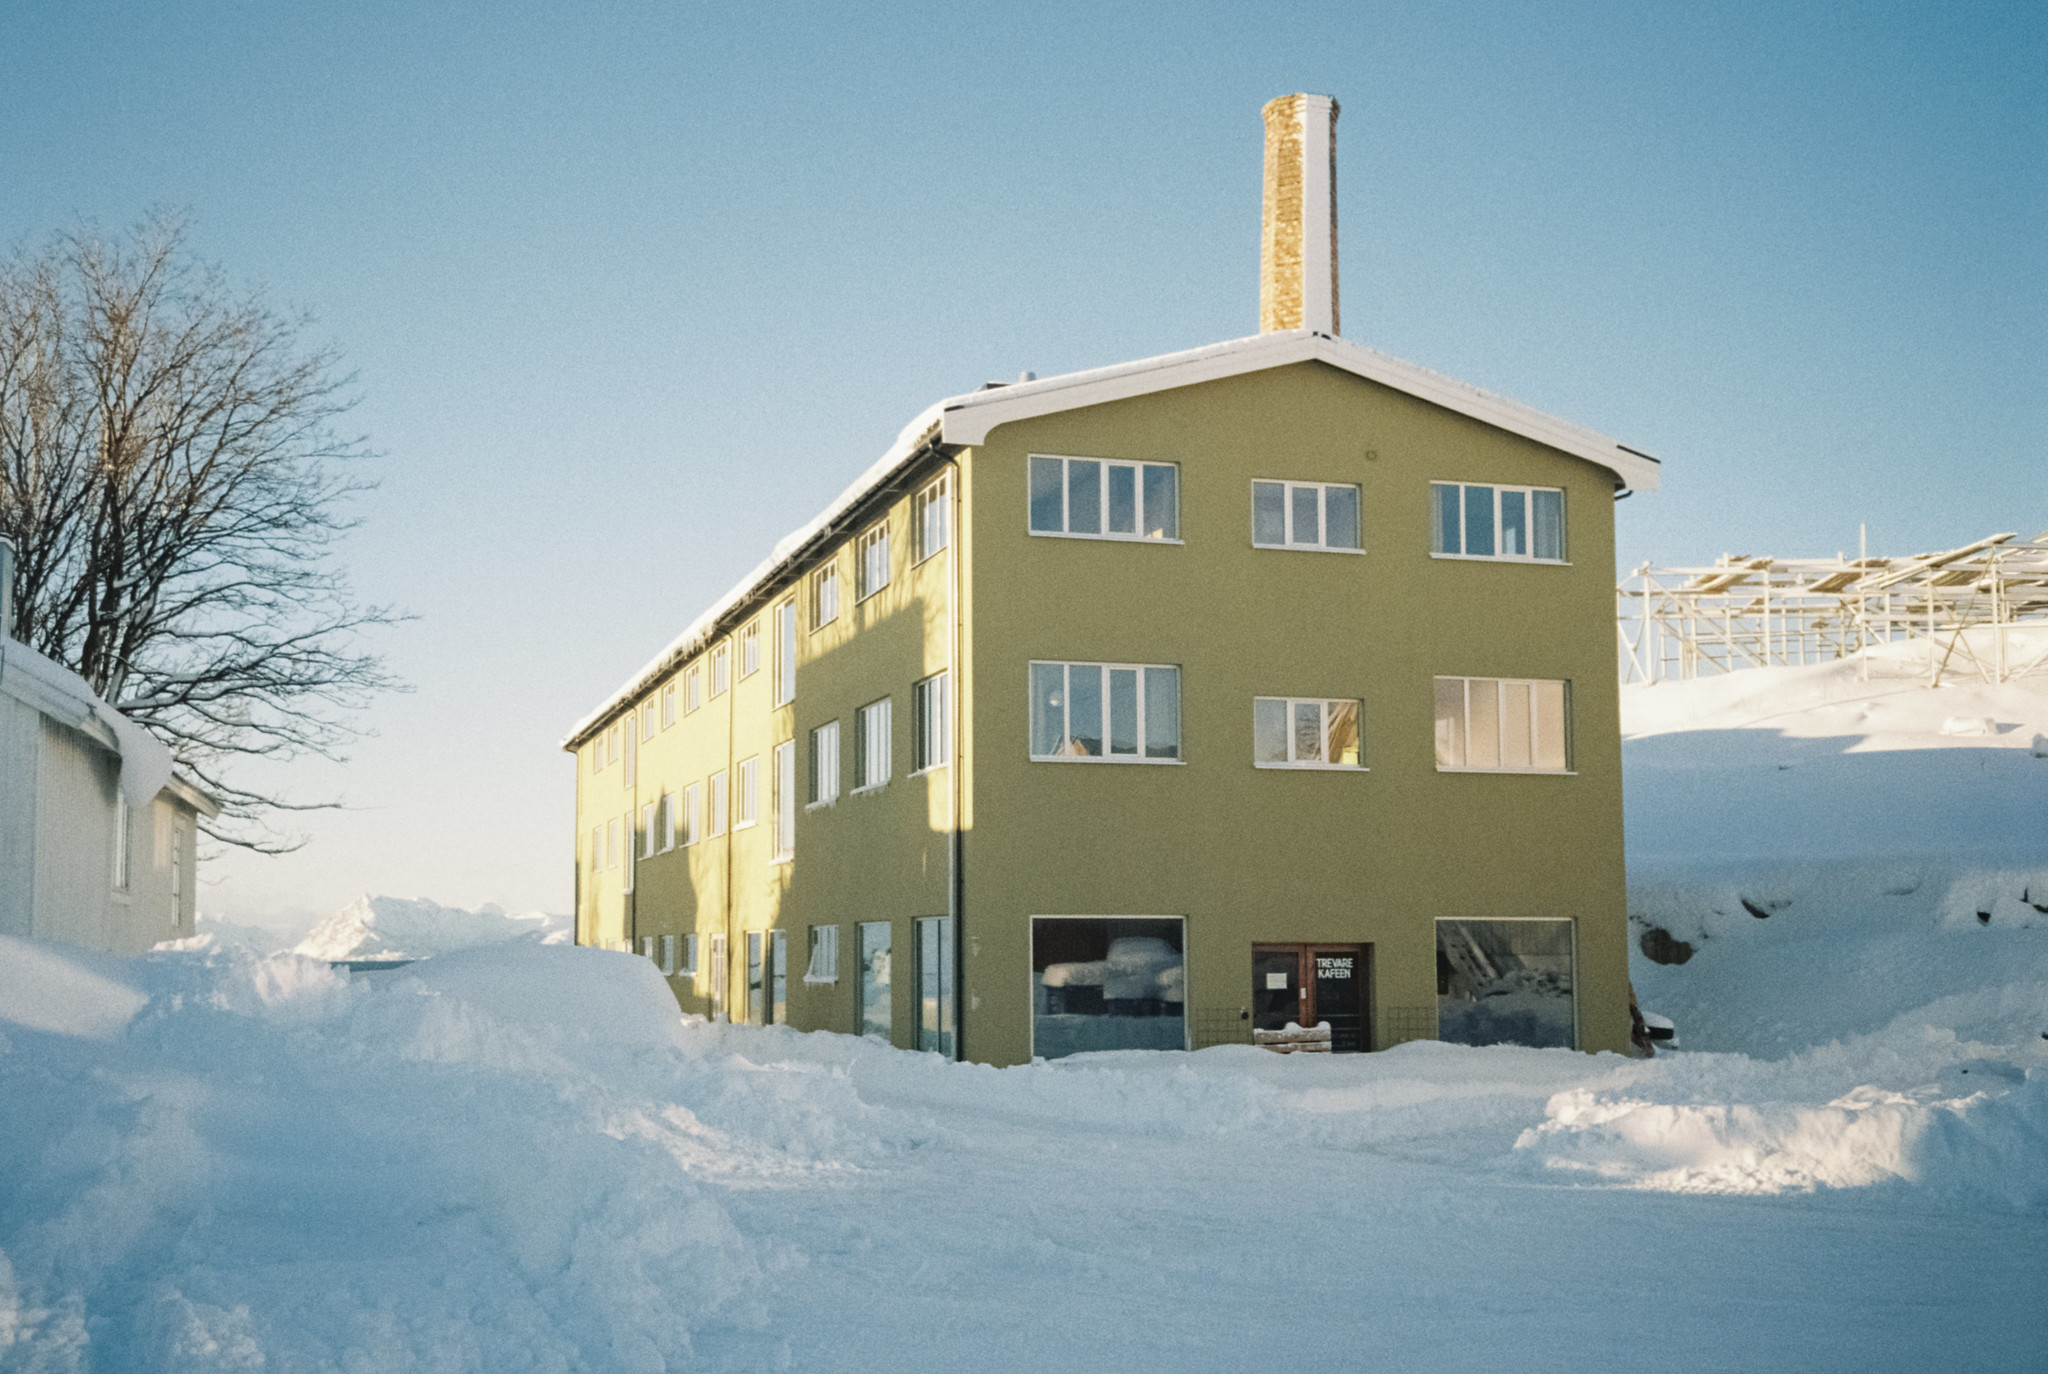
x: 721, y: 669
x: 931, y: 698
x: 747, y: 813
x: 873, y: 745
x: 785, y: 652
x: 822, y: 788
x: 1564, y: 529
x: 665, y: 947
x: 693, y: 814
x: 647, y: 822
x: 611, y: 843
x: 934, y: 498
x: 1322, y: 489
x: 824, y: 952
x: 750, y: 650
x: 825, y: 595
x: 668, y: 821
x: 1535, y: 716
x: 632, y: 751
x: 871, y: 558
x: 1102, y: 497
x: 1323, y: 704
x: 1066, y: 708
x: 720, y: 800
x: 631, y: 864
x: 693, y: 688
x: 785, y: 802
x: 686, y: 964
x: 668, y: 705
x: 647, y: 719
x: 597, y: 847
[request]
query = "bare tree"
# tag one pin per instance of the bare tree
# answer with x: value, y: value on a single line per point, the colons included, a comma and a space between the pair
x: 171, y: 472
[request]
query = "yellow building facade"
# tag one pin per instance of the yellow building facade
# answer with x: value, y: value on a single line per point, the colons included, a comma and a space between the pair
x: 1259, y: 693
x: 1147, y: 710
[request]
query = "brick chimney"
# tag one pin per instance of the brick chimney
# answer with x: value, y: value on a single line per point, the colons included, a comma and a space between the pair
x: 1298, y: 245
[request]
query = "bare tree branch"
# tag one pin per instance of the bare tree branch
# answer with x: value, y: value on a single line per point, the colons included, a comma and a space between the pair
x: 171, y: 470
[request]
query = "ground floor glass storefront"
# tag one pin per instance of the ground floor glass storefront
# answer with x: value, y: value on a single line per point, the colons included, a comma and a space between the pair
x: 1506, y: 983
x: 1107, y: 983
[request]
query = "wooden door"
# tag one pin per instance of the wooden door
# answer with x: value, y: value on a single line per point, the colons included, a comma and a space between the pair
x: 1311, y: 983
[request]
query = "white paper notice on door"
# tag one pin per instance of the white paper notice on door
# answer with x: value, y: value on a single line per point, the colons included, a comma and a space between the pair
x: 1276, y: 982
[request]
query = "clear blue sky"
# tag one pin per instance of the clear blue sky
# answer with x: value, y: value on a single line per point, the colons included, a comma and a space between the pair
x: 634, y: 289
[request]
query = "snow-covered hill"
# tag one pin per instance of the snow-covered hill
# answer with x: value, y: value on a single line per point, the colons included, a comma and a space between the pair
x: 414, y: 928
x: 515, y: 1156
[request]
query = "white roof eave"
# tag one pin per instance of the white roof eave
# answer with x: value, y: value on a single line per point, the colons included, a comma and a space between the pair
x: 912, y: 438
x: 966, y: 420
x: 969, y: 419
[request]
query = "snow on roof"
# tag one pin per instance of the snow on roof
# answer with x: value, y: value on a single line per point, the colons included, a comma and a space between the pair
x: 49, y: 687
x: 969, y: 418
x: 966, y: 420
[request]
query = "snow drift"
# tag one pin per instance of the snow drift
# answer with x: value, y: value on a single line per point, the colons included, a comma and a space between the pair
x: 413, y: 928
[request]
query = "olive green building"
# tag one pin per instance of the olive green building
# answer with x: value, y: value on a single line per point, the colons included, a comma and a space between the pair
x: 1264, y: 691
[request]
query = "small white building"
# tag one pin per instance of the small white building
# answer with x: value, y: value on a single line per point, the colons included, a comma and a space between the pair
x: 98, y: 832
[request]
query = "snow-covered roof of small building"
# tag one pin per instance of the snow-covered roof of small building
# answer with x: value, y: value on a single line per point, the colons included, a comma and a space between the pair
x: 54, y: 690
x: 960, y: 421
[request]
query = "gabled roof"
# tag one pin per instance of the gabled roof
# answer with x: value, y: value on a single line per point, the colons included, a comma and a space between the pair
x: 968, y: 419
x: 959, y: 421
x: 47, y: 686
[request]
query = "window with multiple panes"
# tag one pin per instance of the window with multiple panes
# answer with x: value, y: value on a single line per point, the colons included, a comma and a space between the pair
x: 825, y: 596
x: 1306, y: 515
x: 632, y: 752
x: 1102, y: 499
x: 871, y: 745
x: 693, y: 813
x: 686, y: 962
x: 1505, y: 725
x: 647, y: 719
x: 665, y: 959
x: 693, y: 690
x: 1472, y: 521
x: 611, y: 844
x: 824, y: 961
x: 718, y: 803
x: 871, y: 566
x: 1112, y: 712
x: 824, y: 774
x: 785, y: 800
x: 668, y: 821
x: 668, y: 706
x: 648, y: 821
x: 750, y: 650
x: 933, y: 725
x: 933, y: 519
x: 721, y: 669
x: 785, y: 653
x: 1304, y: 732
x: 631, y: 850
x: 596, y: 847
x: 748, y: 811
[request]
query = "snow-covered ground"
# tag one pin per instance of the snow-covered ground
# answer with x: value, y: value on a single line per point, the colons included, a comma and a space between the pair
x: 515, y: 1157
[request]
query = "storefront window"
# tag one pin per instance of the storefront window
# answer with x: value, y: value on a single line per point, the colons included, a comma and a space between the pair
x: 1107, y: 984
x: 1505, y: 983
